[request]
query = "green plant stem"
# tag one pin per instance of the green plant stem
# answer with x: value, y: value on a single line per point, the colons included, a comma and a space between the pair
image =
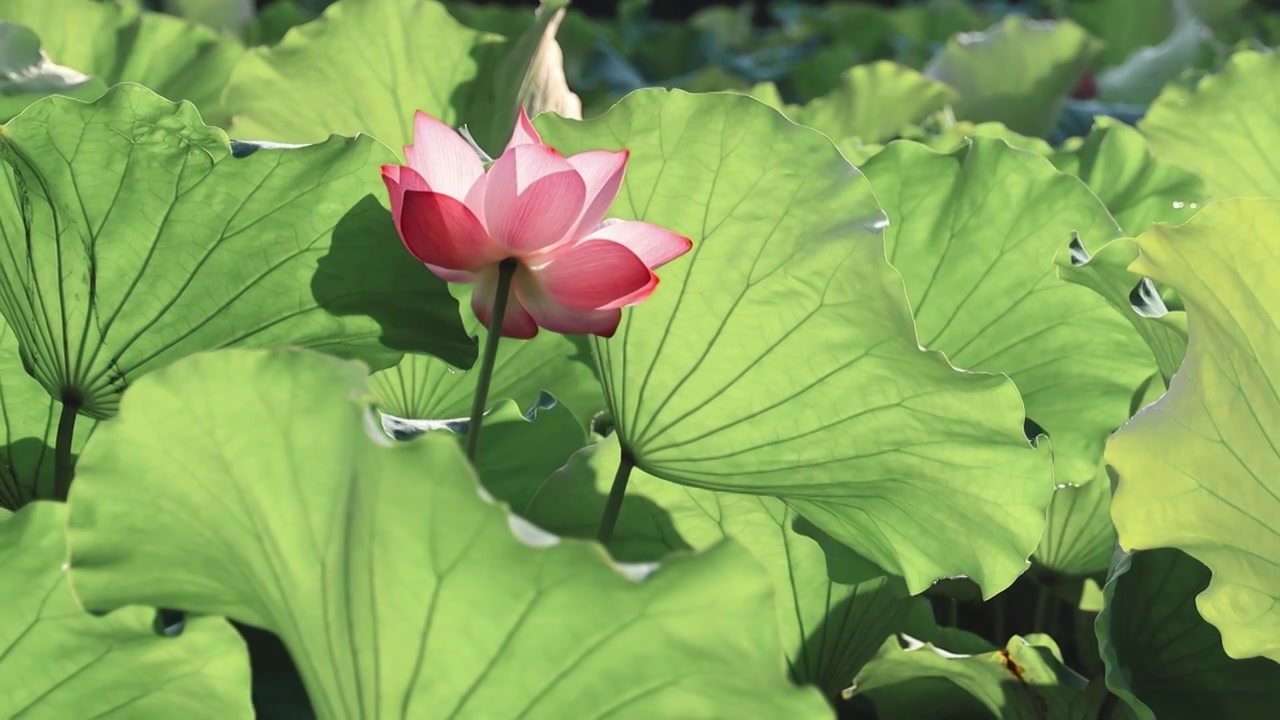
x: 506, y: 270
x: 616, y: 494
x: 1042, y: 608
x: 63, y: 468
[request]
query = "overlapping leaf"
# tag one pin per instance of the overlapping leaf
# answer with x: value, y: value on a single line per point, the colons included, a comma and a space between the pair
x: 1136, y: 298
x: 1199, y: 470
x: 1019, y: 72
x: 1163, y: 660
x: 1123, y: 25
x: 331, y: 76
x: 954, y: 136
x: 1115, y: 163
x: 1025, y: 680
x: 397, y: 588
x: 874, y: 102
x: 974, y: 234
x: 114, y: 43
x: 132, y: 236
x: 1225, y: 130
x: 521, y: 450
x: 61, y: 662
x: 779, y: 357
x: 27, y: 74
x: 424, y: 387
x: 833, y: 610
x: 1079, y: 538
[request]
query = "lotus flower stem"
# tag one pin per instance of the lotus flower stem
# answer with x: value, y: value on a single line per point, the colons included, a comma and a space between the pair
x: 506, y: 270
x: 63, y: 469
x: 616, y: 495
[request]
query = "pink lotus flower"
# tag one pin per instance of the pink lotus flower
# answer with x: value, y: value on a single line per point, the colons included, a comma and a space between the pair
x: 576, y: 270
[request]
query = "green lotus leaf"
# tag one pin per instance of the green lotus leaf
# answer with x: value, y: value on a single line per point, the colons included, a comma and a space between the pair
x: 29, y: 420
x: 1163, y: 660
x: 225, y: 15
x: 61, y: 662
x: 831, y: 620
x: 1139, y: 79
x: 135, y: 237
x: 115, y: 43
x: 1123, y: 26
x: 1106, y: 272
x: 920, y: 28
x: 425, y: 387
x: 955, y: 136
x: 910, y: 679
x: 27, y: 74
x: 874, y: 102
x: 317, y: 80
x: 1079, y: 538
x: 1018, y: 72
x: 519, y: 450
x: 1236, y: 152
x: 397, y: 588
x: 1198, y: 469
x: 273, y: 21
x: 974, y: 234
x: 1115, y: 163
x: 779, y: 357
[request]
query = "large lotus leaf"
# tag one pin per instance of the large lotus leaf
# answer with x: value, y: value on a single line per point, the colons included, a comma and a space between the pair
x: 318, y: 80
x: 1198, y: 469
x: 1136, y: 298
x: 974, y: 234
x: 1079, y: 537
x: 832, y: 620
x: 1163, y: 660
x: 114, y: 43
x: 424, y: 387
x: 779, y: 357
x: 1139, y: 190
x: 134, y: 237
x: 29, y: 420
x: 1026, y: 679
x: 1236, y: 152
x: 874, y: 102
x: 60, y: 662
x: 1019, y: 72
x: 396, y: 587
x: 27, y: 74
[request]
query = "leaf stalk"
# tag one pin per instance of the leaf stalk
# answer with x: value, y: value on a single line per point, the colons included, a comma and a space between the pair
x: 616, y: 494
x: 63, y: 468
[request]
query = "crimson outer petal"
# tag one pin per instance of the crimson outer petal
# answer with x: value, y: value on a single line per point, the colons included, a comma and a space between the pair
x: 440, y: 230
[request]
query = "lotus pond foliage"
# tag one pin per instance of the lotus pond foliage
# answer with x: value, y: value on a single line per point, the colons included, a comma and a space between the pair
x: 867, y: 362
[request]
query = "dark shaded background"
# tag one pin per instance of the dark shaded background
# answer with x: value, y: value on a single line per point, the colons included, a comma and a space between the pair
x: 681, y: 9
